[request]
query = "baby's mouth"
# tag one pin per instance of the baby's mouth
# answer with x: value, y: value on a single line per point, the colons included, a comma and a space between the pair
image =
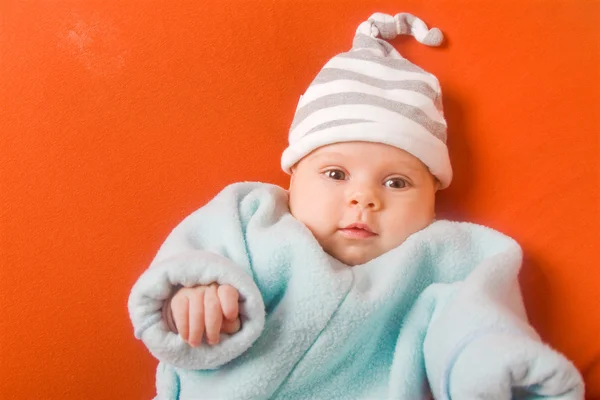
x: 357, y: 231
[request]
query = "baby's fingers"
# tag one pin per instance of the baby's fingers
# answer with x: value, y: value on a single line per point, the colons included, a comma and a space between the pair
x: 229, y: 298
x: 179, y: 310
x: 230, y: 327
x: 196, y: 316
x: 213, y: 314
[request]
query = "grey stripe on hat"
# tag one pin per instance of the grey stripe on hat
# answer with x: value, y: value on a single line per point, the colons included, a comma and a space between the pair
x: 390, y: 49
x: 334, y: 123
x: 349, y: 98
x: 400, y: 64
x: 439, y: 105
x: 333, y: 74
x: 362, y: 41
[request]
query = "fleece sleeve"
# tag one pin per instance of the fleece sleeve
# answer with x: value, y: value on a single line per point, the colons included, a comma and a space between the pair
x: 208, y: 246
x: 479, y: 344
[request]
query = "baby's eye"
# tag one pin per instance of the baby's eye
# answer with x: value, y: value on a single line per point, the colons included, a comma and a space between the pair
x: 336, y: 174
x: 396, y: 183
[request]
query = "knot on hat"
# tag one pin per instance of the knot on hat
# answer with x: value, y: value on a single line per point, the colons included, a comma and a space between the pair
x: 388, y: 27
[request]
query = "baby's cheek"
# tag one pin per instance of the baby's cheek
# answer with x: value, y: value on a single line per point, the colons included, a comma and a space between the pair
x: 325, y: 205
x: 400, y: 228
x: 316, y: 215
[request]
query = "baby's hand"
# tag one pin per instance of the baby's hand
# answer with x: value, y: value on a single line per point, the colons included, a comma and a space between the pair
x: 207, y: 308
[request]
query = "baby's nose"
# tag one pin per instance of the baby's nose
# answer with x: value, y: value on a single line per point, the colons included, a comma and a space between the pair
x: 365, y: 200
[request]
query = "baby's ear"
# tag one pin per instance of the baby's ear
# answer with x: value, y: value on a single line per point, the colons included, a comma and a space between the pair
x: 292, y: 175
x: 436, y: 182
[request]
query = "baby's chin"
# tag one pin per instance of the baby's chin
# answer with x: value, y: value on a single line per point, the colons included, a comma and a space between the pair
x: 353, y: 256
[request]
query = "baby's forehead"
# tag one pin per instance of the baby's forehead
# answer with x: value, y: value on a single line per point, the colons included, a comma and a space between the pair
x: 370, y: 153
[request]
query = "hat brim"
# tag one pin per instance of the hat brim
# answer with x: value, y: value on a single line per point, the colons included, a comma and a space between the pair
x: 426, y: 147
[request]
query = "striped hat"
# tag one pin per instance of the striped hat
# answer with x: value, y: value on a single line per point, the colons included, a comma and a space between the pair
x: 373, y: 94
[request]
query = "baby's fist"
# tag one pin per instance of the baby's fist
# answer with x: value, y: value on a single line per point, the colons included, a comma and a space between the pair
x: 209, y: 309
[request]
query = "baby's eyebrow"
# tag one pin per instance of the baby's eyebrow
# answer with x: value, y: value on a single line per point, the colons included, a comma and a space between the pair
x: 409, y: 167
x: 329, y: 154
x: 391, y: 166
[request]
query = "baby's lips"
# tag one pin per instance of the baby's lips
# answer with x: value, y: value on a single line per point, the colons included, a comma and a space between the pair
x: 361, y: 226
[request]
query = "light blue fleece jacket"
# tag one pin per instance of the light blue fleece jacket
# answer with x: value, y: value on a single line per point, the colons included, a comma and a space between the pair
x: 440, y: 314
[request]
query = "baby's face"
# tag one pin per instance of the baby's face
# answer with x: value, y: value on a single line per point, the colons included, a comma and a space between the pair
x: 362, y: 199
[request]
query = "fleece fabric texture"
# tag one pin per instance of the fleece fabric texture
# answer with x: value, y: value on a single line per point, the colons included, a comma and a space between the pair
x: 440, y: 314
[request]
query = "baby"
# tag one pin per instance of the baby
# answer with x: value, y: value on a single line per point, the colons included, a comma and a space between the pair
x: 345, y: 286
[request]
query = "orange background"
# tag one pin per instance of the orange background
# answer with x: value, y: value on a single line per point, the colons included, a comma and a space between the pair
x: 117, y: 119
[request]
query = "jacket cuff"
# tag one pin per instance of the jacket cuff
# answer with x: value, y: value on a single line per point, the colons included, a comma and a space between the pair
x: 158, y: 284
x: 492, y: 363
